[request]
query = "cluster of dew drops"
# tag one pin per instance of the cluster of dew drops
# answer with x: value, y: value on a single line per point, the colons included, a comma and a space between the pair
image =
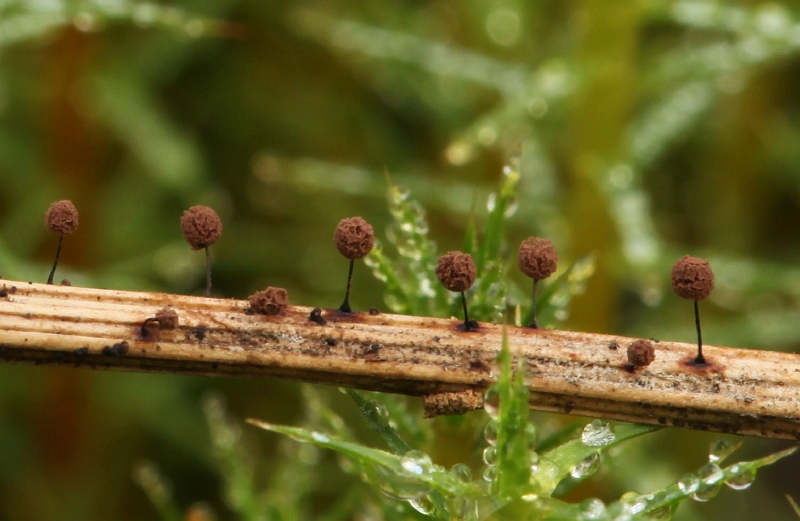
x: 404, y: 483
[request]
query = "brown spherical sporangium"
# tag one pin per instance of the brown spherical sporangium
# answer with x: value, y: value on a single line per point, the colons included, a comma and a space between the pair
x: 270, y: 301
x: 201, y: 227
x: 641, y: 353
x: 456, y: 270
x: 61, y: 217
x: 354, y: 238
x: 692, y: 278
x: 537, y: 258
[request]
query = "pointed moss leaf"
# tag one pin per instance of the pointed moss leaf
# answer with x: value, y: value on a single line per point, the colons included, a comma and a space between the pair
x: 407, y: 471
x: 499, y: 206
x: 557, y: 296
x: 513, y: 444
x: 792, y: 502
x: 382, y: 269
x: 408, y: 233
x: 737, y: 476
x: 377, y: 417
x: 557, y: 463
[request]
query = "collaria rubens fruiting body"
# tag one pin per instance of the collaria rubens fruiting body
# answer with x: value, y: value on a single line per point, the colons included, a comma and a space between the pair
x: 61, y: 218
x: 538, y: 260
x: 354, y: 238
x: 201, y: 228
x: 693, y: 279
x: 270, y: 301
x: 641, y: 353
x: 456, y: 271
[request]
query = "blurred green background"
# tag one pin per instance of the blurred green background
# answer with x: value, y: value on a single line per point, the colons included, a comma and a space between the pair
x: 645, y: 130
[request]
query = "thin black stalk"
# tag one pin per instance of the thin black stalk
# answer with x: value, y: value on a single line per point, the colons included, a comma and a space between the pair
x: 55, y: 263
x: 345, y: 307
x: 533, y: 313
x: 466, y: 315
x: 700, y: 358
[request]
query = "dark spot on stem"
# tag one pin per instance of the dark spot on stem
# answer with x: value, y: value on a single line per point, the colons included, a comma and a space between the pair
x: 469, y: 326
x: 81, y: 352
x: 316, y: 316
x: 374, y: 311
x: 200, y: 332
x: 331, y: 341
x: 568, y: 406
x: 613, y: 346
x: 118, y: 349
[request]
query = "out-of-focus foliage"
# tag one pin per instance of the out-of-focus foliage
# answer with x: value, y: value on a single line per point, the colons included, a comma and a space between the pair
x: 639, y: 130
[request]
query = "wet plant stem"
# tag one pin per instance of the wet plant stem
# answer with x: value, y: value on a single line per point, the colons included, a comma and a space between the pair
x: 55, y: 262
x: 345, y: 307
x: 744, y: 391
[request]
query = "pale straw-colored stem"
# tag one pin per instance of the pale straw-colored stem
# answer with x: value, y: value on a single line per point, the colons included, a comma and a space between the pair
x: 739, y: 391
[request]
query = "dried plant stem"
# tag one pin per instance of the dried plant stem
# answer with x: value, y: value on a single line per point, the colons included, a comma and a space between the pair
x: 737, y: 390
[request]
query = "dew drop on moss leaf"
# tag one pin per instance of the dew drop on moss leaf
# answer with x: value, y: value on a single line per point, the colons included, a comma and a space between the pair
x: 597, y: 434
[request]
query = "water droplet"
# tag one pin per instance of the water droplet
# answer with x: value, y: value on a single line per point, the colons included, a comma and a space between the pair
x: 398, y: 484
x: 491, y: 401
x: 710, y: 473
x: 503, y: 26
x: 462, y: 472
x: 529, y: 497
x: 710, y: 482
x: 660, y: 514
x: 533, y: 436
x: 320, y: 438
x: 490, y: 432
x: 490, y: 455
x: 597, y: 434
x: 689, y: 484
x: 719, y: 450
x: 633, y: 502
x: 487, y: 136
x: 592, y: 509
x: 416, y: 462
x: 490, y: 473
x: 491, y: 202
x: 587, y: 467
x: 376, y: 411
x: 459, y: 153
x: 511, y: 209
x: 743, y: 477
x: 423, y: 505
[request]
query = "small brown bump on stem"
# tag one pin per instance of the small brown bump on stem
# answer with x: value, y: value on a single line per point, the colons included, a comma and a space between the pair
x: 641, y: 353
x: 66, y: 282
x: 201, y: 228
x: 452, y: 403
x: 61, y: 217
x: 693, y: 279
x: 316, y: 317
x: 354, y: 238
x: 270, y: 301
x: 167, y: 318
x: 538, y: 260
